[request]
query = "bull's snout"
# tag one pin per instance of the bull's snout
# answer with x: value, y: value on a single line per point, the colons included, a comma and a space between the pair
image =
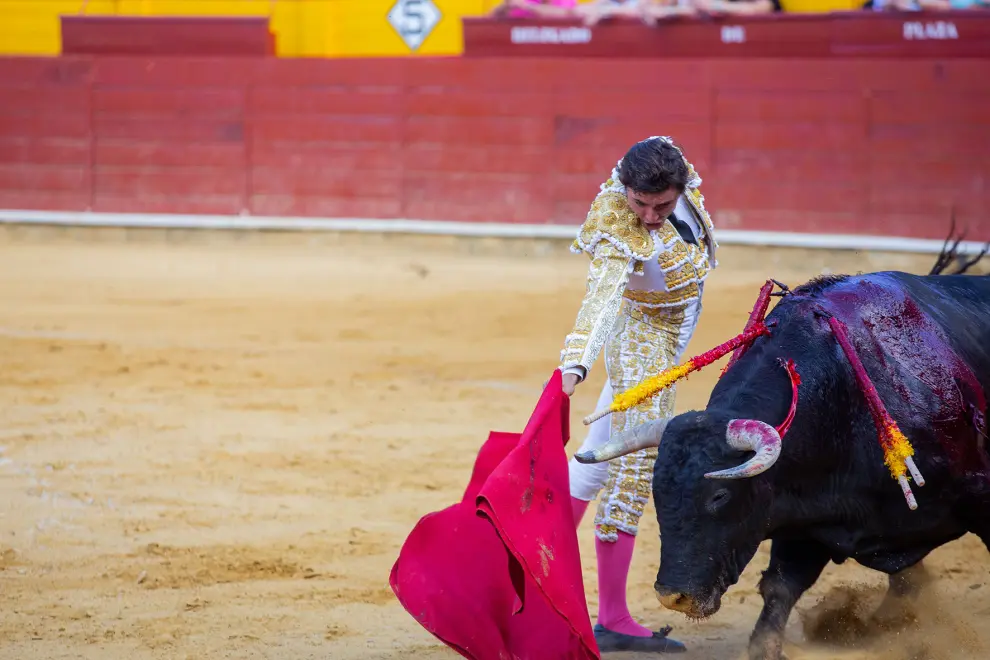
x: 679, y: 602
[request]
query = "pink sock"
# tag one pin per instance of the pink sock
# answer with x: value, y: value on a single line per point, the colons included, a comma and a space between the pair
x: 613, y: 568
x: 578, y: 507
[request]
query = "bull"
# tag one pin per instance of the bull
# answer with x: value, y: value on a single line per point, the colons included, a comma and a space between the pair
x: 724, y: 479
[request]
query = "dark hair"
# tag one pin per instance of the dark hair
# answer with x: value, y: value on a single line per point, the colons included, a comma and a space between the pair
x: 653, y: 166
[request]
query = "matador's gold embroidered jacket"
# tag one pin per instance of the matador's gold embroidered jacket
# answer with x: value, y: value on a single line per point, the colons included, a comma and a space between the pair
x: 620, y: 246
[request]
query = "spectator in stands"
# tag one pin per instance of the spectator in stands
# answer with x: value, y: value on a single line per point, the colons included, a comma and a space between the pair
x: 649, y: 11
x: 921, y: 5
x: 536, y: 9
x: 737, y: 7
x: 596, y: 10
x: 654, y: 10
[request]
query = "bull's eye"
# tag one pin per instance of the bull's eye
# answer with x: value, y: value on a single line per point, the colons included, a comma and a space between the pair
x: 718, y: 499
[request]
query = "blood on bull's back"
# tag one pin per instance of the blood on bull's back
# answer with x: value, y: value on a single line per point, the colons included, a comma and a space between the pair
x: 928, y: 338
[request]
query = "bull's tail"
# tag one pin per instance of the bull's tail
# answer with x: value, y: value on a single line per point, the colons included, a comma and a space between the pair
x: 950, y: 254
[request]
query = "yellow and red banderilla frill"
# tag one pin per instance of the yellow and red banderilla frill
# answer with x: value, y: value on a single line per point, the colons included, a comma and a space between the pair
x: 897, y: 448
x: 656, y: 384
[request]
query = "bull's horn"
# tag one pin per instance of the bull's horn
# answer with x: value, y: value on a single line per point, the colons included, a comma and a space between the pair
x: 750, y: 435
x: 640, y: 437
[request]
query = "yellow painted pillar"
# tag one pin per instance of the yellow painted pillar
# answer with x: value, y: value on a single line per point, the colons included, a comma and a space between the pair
x: 32, y: 27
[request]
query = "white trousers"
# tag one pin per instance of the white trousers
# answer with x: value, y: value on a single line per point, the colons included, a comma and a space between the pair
x: 587, y: 479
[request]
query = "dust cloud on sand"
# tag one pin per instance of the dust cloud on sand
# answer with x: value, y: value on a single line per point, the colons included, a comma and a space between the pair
x: 938, y: 624
x: 214, y: 445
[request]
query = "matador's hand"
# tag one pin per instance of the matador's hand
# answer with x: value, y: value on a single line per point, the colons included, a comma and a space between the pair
x: 569, y: 382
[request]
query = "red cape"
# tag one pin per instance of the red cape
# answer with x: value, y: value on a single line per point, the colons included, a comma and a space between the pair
x: 498, y: 575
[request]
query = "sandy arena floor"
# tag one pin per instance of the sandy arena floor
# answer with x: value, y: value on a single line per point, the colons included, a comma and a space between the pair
x: 213, y: 447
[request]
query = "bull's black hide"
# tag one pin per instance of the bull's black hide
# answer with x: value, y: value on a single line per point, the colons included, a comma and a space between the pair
x: 925, y: 343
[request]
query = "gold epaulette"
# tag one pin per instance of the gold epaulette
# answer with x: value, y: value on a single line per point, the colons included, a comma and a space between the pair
x: 610, y: 219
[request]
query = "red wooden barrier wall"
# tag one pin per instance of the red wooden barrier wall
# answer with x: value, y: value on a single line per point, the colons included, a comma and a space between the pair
x: 204, y: 36
x: 859, y: 146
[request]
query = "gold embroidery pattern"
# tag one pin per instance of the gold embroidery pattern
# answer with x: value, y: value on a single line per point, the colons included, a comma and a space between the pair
x: 651, y: 300
x: 694, y: 269
x: 610, y: 219
x: 680, y: 259
x: 639, y: 347
x: 697, y: 200
x: 616, y: 253
x: 607, y: 280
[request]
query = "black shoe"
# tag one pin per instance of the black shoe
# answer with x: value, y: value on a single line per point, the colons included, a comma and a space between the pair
x: 609, y: 640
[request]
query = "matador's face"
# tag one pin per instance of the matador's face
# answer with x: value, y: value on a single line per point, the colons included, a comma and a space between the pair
x: 653, y: 208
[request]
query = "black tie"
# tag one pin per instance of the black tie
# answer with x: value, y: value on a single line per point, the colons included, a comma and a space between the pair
x: 682, y: 229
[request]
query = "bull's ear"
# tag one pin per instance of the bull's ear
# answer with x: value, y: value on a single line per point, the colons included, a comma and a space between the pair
x: 639, y: 437
x: 750, y: 435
